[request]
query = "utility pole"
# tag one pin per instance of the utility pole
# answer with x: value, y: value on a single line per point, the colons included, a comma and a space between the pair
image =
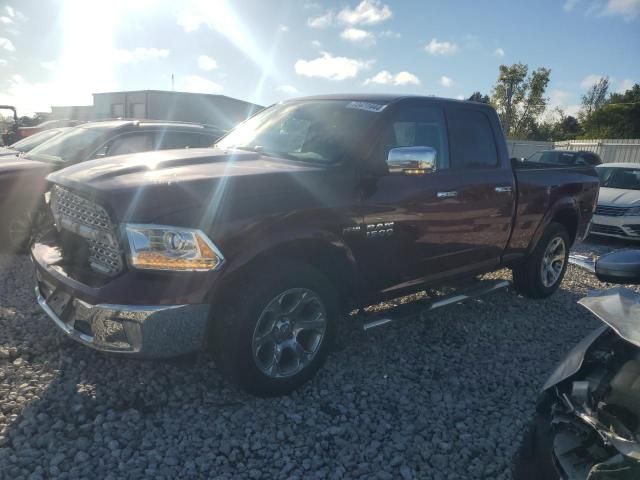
x: 173, y: 84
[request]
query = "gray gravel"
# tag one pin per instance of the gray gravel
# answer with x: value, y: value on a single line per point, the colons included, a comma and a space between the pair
x: 444, y: 398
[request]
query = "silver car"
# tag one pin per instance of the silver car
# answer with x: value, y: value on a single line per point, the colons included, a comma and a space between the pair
x: 618, y: 210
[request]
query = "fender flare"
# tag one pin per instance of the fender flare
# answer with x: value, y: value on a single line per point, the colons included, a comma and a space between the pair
x: 564, y: 205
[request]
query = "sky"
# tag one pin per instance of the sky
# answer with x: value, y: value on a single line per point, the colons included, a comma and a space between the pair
x: 58, y: 52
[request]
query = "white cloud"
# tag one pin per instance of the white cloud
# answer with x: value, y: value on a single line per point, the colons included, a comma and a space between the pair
x: 50, y: 65
x: 446, y: 81
x: 590, y: 80
x: 389, y: 34
x: 12, y: 16
x: 356, y: 35
x: 386, y: 78
x: 207, y: 63
x: 316, y: 44
x: 283, y: 28
x: 330, y: 67
x: 288, y: 89
x: 625, y: 85
x: 368, y: 12
x: 434, y: 47
x: 6, y: 20
x: 629, y: 9
x: 569, y: 5
x: 198, y: 84
x: 140, y: 54
x: 3, y: 62
x: 460, y: 97
x: 498, y: 52
x: 7, y: 45
x: 321, y: 21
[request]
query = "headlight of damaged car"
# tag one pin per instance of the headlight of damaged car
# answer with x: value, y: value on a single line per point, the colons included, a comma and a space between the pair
x: 633, y: 211
x: 160, y: 247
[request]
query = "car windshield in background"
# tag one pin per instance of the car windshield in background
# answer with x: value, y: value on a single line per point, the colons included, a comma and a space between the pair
x: 624, y: 178
x: 36, y: 139
x: 557, y: 158
x: 75, y: 145
x: 313, y: 131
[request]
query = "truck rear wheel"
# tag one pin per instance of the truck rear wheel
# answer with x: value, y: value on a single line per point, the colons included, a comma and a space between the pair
x: 542, y: 272
x: 274, y: 333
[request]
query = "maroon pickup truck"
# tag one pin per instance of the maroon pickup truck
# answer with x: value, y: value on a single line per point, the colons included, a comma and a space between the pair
x: 258, y: 247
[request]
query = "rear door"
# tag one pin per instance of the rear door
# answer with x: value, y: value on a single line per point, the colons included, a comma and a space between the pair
x: 487, y: 184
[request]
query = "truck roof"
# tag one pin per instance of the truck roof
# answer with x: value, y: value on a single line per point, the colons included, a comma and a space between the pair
x: 384, y: 98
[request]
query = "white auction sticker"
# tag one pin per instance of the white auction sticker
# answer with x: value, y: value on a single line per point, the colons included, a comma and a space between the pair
x: 369, y: 107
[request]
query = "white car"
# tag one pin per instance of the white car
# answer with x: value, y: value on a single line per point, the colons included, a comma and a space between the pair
x: 618, y: 210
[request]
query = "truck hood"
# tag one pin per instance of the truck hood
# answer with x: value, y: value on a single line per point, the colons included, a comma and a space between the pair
x: 12, y: 165
x: 145, y: 186
x: 618, y: 197
x: 6, y: 151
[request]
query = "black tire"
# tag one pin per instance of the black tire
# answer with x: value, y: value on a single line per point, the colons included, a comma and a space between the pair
x: 528, y: 275
x: 236, y: 317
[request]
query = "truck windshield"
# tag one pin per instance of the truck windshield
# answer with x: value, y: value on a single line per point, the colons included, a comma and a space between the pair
x: 314, y: 131
x: 69, y: 147
x: 624, y: 178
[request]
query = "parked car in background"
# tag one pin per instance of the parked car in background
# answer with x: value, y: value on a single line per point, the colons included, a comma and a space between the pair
x: 618, y: 211
x: 24, y: 132
x: 31, y: 142
x: 22, y: 179
x: 308, y: 209
x: 565, y: 157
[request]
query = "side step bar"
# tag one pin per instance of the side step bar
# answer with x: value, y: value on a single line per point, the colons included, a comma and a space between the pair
x: 582, y: 261
x: 478, y: 289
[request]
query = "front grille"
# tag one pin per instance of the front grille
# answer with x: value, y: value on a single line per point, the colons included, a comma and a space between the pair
x: 91, y: 222
x: 607, y: 229
x: 611, y: 211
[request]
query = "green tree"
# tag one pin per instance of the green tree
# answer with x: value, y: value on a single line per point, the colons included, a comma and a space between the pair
x: 595, y: 97
x: 618, y: 117
x: 519, y: 98
x: 479, y: 97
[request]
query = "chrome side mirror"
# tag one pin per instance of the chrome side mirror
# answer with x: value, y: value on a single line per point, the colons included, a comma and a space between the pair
x: 411, y: 160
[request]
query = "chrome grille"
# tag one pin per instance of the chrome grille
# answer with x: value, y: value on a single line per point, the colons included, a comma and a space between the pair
x: 611, y: 211
x: 90, y: 221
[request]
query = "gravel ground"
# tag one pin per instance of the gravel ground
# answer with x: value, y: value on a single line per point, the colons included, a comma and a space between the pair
x: 444, y: 398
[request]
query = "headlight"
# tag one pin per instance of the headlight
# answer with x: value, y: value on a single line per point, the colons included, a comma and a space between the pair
x: 633, y: 211
x: 159, y: 247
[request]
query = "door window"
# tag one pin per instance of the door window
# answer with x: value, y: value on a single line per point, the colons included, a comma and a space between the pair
x: 472, y: 141
x: 420, y: 127
x: 172, y: 140
x: 132, y: 143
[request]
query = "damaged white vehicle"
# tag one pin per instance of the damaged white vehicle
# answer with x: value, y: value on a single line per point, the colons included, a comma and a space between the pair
x: 587, y: 425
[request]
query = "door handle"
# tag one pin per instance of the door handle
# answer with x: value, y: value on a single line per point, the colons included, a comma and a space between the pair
x: 506, y: 189
x: 447, y: 194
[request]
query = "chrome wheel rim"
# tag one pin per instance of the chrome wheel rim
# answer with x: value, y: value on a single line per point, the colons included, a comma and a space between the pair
x: 289, y: 333
x: 553, y: 261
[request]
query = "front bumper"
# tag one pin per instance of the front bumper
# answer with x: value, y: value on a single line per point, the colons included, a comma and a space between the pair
x: 149, y: 331
x: 627, y: 227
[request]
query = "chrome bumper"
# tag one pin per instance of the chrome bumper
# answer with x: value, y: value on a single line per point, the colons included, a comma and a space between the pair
x: 145, y: 331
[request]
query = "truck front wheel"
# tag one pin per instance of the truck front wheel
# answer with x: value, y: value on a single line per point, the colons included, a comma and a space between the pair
x: 542, y: 272
x: 274, y: 332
